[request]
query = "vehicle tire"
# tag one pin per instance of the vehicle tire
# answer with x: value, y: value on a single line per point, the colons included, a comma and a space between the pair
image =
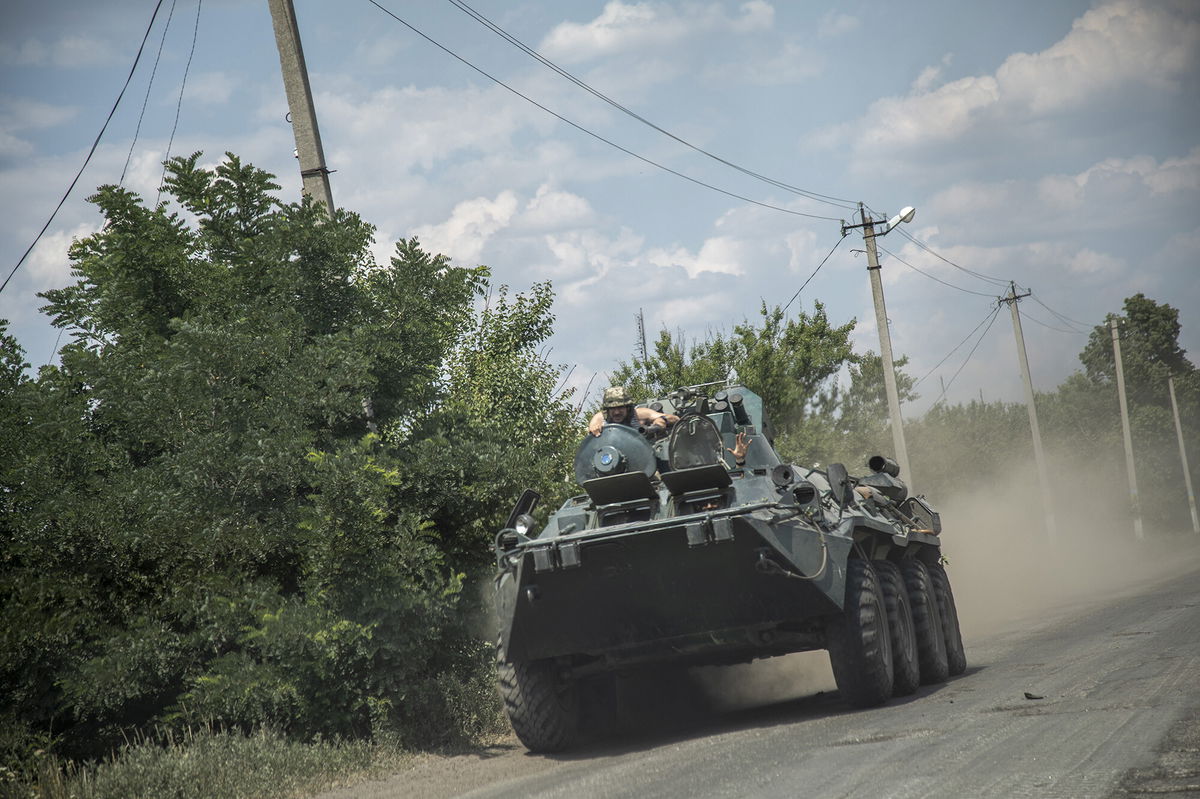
x: 927, y: 622
x: 906, y: 668
x: 542, y: 707
x: 860, y: 646
x: 956, y: 657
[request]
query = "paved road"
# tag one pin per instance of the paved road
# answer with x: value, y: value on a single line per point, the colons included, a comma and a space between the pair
x: 1097, y: 698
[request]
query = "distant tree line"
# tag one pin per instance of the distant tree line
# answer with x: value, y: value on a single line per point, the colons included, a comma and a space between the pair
x: 829, y: 404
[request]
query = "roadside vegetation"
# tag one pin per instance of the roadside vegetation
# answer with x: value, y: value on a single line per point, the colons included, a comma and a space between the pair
x: 246, y: 522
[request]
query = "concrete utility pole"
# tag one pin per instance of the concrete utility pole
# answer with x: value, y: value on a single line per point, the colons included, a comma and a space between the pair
x: 1038, y: 456
x: 300, y: 103
x: 1187, y: 473
x: 885, y: 348
x: 1130, y: 471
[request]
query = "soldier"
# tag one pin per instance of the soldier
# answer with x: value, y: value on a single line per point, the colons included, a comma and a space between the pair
x: 617, y: 408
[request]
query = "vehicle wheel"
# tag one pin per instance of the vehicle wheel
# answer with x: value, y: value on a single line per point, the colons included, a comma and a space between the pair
x: 906, y: 669
x: 927, y: 622
x: 860, y: 649
x: 956, y: 658
x: 542, y: 707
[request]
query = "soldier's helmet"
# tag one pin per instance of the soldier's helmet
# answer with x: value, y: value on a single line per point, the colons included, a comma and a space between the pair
x: 616, y: 397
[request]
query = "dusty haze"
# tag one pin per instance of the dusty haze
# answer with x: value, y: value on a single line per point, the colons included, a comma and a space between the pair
x: 1002, y: 567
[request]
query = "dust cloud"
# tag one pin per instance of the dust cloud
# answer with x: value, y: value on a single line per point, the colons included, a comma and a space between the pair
x: 1006, y: 572
x: 1006, y: 567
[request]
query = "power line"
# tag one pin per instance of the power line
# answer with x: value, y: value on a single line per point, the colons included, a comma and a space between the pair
x: 941, y: 257
x: 967, y: 360
x: 149, y: 86
x: 1064, y: 319
x: 179, y: 105
x: 931, y: 277
x: 596, y: 136
x: 1052, y: 327
x: 990, y: 314
x: 91, y: 152
x: 814, y: 273
x: 825, y: 198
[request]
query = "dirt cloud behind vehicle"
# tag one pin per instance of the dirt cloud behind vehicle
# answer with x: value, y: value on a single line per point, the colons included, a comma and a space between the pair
x: 1004, y: 568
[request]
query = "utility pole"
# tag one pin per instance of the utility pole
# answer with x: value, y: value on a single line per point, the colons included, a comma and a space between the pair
x: 885, y: 343
x: 1187, y: 473
x: 304, y: 115
x: 641, y: 320
x: 1130, y: 471
x: 1038, y: 456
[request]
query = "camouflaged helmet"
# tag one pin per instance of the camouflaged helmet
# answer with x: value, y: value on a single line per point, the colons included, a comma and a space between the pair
x: 616, y: 397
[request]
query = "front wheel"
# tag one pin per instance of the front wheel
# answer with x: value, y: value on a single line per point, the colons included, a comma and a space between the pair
x: 542, y: 705
x: 860, y: 649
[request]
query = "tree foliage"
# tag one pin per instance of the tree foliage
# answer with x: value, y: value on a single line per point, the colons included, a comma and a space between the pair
x: 260, y: 486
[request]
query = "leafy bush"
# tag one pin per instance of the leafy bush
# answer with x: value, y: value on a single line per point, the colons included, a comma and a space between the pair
x: 255, y: 489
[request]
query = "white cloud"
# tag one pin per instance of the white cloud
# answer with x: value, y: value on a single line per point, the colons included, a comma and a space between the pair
x: 1090, y: 262
x: 551, y: 209
x: 13, y: 146
x: 835, y: 24
x: 48, y: 265
x: 473, y: 222
x: 1114, y: 194
x: 69, y: 51
x: 21, y: 113
x: 757, y: 15
x: 633, y: 26
x: 210, y: 87
x: 722, y: 254
x: 792, y: 63
x: 1121, y: 45
x: 931, y: 75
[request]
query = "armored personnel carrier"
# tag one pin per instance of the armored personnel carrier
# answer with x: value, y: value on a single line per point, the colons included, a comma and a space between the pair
x: 675, y: 553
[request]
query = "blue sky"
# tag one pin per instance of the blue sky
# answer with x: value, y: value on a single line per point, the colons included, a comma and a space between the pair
x: 1054, y: 144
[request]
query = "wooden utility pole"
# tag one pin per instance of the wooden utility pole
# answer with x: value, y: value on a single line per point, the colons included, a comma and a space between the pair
x: 1038, y: 456
x: 304, y: 115
x: 1187, y: 473
x: 1130, y: 471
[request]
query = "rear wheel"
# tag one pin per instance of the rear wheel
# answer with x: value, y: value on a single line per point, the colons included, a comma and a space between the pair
x: 860, y: 649
x: 542, y: 706
x: 906, y: 669
x: 956, y: 657
x: 927, y: 622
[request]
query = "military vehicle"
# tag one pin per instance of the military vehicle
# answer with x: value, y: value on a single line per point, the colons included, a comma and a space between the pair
x: 674, y: 553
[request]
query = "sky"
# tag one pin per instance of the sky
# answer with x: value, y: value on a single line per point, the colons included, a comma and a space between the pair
x: 1056, y: 145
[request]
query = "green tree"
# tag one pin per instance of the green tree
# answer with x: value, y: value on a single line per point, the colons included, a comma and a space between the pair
x: 789, y: 362
x: 1150, y: 354
x: 265, y: 475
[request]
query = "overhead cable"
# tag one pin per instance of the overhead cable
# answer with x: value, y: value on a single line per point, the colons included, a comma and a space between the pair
x: 179, y: 105
x: 91, y: 152
x: 814, y: 273
x: 596, y: 136
x: 1068, y: 321
x: 990, y: 314
x: 1051, y: 327
x: 967, y: 360
x: 932, y: 277
x: 997, y: 281
x: 149, y: 86
x: 478, y: 17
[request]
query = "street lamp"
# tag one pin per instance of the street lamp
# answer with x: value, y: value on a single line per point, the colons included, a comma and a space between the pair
x: 885, y: 339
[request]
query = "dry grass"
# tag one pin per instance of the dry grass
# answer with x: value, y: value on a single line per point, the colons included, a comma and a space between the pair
x: 207, y: 764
